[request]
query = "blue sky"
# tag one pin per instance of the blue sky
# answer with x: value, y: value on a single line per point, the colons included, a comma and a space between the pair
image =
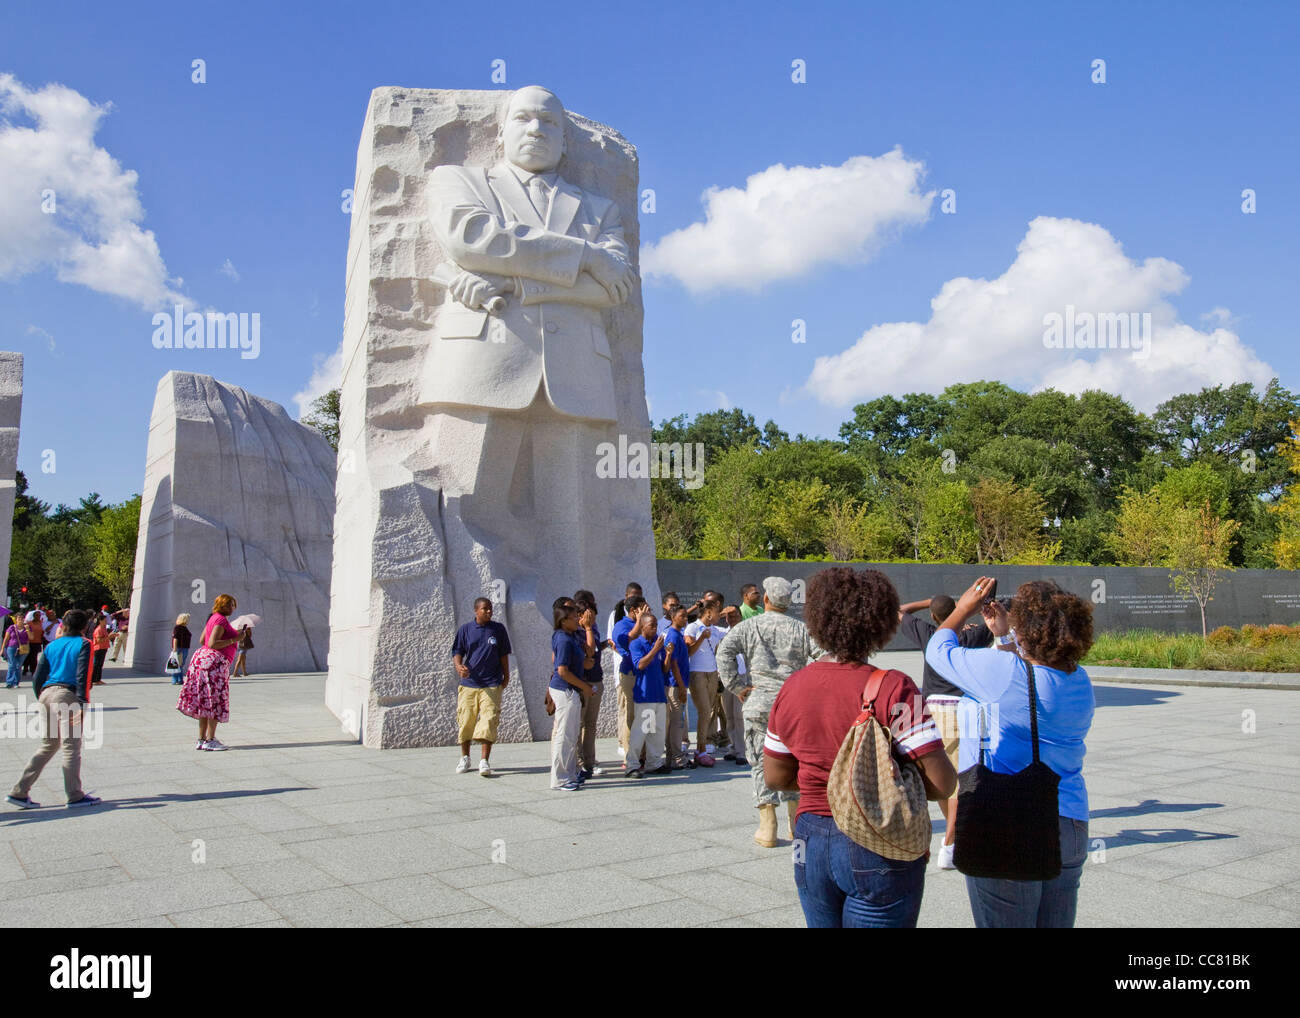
x: 1134, y: 187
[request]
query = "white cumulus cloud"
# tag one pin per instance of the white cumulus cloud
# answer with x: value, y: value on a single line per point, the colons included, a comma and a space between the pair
x: 228, y: 269
x: 982, y: 328
x: 789, y: 220
x: 327, y: 374
x: 67, y: 203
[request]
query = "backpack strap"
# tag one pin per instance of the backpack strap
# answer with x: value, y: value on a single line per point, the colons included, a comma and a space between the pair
x: 871, y: 691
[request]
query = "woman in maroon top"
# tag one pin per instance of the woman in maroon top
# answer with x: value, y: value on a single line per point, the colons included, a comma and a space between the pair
x: 851, y: 615
x: 206, y: 693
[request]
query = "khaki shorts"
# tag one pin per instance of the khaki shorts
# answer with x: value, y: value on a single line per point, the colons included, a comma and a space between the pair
x: 477, y: 712
x: 945, y: 718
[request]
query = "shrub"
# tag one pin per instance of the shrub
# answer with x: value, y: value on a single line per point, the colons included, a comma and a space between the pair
x: 1224, y: 636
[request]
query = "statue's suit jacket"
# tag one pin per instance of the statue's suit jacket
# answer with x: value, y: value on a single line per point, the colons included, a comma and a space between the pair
x: 555, y: 332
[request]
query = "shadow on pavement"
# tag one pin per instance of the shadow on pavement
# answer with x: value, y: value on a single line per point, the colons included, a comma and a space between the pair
x: 52, y: 811
x: 1152, y: 806
x: 1166, y: 836
x: 1129, y: 696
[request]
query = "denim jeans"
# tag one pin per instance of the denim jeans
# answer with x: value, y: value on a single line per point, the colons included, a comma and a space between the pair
x: 178, y: 675
x: 842, y: 884
x: 15, y: 666
x: 1030, y: 904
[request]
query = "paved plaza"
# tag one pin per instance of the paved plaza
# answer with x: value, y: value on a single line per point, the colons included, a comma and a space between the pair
x: 1195, y: 797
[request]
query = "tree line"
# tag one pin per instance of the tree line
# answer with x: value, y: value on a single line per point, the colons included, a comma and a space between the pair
x: 78, y: 556
x: 983, y: 473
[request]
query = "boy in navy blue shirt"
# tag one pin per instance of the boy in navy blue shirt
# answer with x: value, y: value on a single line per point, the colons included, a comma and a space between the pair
x: 653, y: 664
x: 481, y: 652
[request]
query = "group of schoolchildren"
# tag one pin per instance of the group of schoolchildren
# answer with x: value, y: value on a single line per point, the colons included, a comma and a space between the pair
x: 661, y: 663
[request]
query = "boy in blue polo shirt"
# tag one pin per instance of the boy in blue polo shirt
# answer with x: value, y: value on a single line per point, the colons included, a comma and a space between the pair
x: 654, y: 667
x: 481, y: 651
x: 677, y: 693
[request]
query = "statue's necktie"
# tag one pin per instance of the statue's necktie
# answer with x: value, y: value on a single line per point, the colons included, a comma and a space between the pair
x: 539, y: 193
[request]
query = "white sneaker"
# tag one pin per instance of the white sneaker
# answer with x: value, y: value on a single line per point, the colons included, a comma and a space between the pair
x: 463, y: 766
x: 214, y: 746
x: 597, y: 772
x: 484, y: 768
x: 201, y: 744
x: 945, y: 857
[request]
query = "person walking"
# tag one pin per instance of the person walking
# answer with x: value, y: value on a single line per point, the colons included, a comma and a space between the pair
x: 851, y: 615
x: 181, y: 639
x: 205, y: 695
x: 15, y: 644
x: 60, y: 687
x: 1053, y: 632
x: 774, y: 646
x: 244, y: 645
x: 119, y: 637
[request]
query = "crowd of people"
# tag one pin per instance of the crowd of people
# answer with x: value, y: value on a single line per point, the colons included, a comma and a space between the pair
x: 1001, y: 680
x: 1002, y: 693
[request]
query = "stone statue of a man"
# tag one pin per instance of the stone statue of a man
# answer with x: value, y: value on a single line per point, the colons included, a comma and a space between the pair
x: 521, y: 368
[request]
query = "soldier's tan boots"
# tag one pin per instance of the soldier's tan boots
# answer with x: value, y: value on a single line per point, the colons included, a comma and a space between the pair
x: 791, y: 809
x: 766, y: 833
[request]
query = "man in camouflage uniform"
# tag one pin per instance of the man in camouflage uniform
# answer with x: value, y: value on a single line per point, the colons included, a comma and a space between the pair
x: 775, y: 646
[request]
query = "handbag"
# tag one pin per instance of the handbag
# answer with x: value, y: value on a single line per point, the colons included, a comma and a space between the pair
x: 173, y: 662
x: 1007, y: 824
x: 877, y: 800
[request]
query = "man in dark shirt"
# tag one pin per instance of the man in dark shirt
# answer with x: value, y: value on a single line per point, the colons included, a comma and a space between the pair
x: 939, y: 694
x: 481, y: 651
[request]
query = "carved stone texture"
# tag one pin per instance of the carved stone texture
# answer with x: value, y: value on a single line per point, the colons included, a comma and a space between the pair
x: 11, y: 410
x: 467, y: 453
x: 238, y: 499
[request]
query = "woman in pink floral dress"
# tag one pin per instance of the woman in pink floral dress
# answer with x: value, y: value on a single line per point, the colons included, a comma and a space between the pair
x: 206, y: 693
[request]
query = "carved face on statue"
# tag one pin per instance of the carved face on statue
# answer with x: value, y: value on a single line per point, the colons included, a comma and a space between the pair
x: 533, y: 132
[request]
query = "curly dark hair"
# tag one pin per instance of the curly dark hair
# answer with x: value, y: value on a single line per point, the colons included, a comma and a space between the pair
x: 851, y: 613
x: 1052, y: 625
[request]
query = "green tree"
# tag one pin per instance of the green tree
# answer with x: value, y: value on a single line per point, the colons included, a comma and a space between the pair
x: 910, y: 491
x: 948, y: 524
x: 1009, y: 523
x: 1198, y: 542
x: 1286, y: 511
x: 733, y: 505
x: 28, y: 511
x: 795, y: 513
x: 1140, y: 537
x: 886, y: 428
x: 718, y: 431
x: 114, y: 540
x: 323, y: 415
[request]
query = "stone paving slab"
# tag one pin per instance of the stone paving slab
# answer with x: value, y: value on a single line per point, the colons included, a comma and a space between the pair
x: 1194, y: 793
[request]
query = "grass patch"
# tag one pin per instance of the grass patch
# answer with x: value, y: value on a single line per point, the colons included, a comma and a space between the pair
x: 1249, y: 649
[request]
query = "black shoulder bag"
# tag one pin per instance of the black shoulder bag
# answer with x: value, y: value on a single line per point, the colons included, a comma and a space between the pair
x: 1007, y: 824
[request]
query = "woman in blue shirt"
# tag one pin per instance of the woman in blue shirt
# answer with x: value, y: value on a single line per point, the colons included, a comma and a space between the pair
x: 1052, y: 630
